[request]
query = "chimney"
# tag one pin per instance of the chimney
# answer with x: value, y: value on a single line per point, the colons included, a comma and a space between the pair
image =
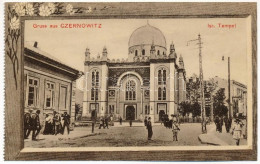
x: 35, y: 44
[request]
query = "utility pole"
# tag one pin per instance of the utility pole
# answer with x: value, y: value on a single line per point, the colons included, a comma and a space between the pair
x: 202, y: 98
x: 229, y: 97
x: 229, y: 92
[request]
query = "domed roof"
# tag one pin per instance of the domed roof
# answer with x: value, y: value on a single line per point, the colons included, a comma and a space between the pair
x: 147, y: 35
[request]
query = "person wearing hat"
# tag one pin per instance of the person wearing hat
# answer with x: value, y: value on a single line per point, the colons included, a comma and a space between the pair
x: 36, y: 126
x: 149, y: 128
x: 175, y: 128
x: 237, y: 131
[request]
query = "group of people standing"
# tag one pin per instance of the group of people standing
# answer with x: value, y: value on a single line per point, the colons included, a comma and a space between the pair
x: 103, y: 122
x: 54, y: 124
x: 219, y: 121
x: 168, y: 123
x: 32, y: 123
x: 235, y: 126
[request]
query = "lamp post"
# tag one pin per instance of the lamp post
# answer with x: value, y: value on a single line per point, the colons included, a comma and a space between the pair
x: 202, y: 98
x: 229, y: 95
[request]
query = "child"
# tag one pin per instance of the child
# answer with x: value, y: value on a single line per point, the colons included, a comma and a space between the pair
x: 175, y: 129
x: 237, y: 131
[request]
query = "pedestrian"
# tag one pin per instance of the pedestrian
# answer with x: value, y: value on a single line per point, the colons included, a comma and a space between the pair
x: 111, y: 120
x: 237, y: 131
x: 217, y: 123
x: 226, y: 122
x: 220, y: 124
x: 149, y: 128
x: 57, y: 123
x: 101, y: 123
x: 175, y: 129
x: 145, y: 121
x: 66, y: 123
x: 27, y: 117
x: 48, y: 125
x: 36, y: 127
x: 130, y: 122
x: 120, y: 120
x: 106, y: 122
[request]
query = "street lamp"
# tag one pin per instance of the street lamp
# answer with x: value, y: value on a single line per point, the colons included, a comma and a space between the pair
x: 203, y: 111
x: 229, y: 97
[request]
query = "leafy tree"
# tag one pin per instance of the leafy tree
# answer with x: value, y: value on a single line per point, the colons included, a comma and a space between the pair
x: 196, y: 109
x: 193, y: 89
x: 185, y: 107
x: 218, y: 103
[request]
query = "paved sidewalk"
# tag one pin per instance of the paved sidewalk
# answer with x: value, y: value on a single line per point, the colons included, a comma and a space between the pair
x: 134, y: 124
x: 221, y: 139
x: 78, y: 132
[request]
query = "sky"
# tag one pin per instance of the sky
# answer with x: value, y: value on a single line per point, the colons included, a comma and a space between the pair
x: 69, y: 44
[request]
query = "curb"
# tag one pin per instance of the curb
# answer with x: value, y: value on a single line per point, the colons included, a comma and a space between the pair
x: 208, y: 143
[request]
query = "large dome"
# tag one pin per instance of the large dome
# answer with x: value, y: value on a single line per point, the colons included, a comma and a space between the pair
x: 146, y: 35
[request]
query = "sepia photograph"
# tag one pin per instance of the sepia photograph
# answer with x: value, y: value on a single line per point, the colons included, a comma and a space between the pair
x: 129, y: 83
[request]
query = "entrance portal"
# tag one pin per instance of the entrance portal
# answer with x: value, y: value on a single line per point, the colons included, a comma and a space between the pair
x: 130, y: 113
x: 161, y: 115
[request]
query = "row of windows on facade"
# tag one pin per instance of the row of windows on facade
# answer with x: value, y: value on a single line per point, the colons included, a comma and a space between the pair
x: 129, y: 87
x: 161, y: 77
x: 130, y: 92
x: 143, y: 52
x: 111, y: 109
x: 33, y: 94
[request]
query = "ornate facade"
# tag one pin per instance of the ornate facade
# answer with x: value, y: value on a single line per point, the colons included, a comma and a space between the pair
x: 148, y: 83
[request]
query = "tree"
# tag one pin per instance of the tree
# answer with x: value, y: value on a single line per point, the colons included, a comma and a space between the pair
x: 218, y: 103
x: 193, y: 89
x: 196, y: 110
x: 185, y: 107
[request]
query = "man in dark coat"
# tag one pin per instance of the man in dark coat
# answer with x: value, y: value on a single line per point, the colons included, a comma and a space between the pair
x: 66, y: 119
x: 27, y: 118
x: 149, y: 128
x: 120, y: 120
x: 220, y: 124
x: 145, y: 121
x: 106, y: 122
x: 36, y: 127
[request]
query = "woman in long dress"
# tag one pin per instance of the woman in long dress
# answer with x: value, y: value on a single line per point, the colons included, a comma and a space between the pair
x: 237, y: 131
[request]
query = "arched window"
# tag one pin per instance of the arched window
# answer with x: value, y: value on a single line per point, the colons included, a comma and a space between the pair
x: 164, y: 76
x: 95, y: 78
x: 130, y: 92
x: 136, y: 53
x: 95, y: 85
x: 143, y: 52
x: 164, y: 93
x: 158, y: 52
x: 159, y: 77
x: 159, y: 93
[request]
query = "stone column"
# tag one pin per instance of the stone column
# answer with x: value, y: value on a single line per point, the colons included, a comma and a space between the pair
x: 103, y: 89
x: 172, y: 89
x: 86, y: 90
x: 152, y: 92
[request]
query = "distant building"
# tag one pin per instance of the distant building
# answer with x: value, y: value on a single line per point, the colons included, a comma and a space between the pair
x: 49, y: 85
x: 238, y: 94
x: 148, y: 83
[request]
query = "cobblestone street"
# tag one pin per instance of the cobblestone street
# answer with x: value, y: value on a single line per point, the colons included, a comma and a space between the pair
x: 121, y: 136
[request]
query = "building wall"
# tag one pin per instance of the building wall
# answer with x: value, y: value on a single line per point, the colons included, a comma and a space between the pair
x: 59, y: 85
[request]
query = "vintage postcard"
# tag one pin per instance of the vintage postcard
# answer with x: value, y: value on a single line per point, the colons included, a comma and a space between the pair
x: 92, y: 77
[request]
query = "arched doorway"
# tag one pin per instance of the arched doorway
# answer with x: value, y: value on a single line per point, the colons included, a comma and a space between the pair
x: 130, y: 112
